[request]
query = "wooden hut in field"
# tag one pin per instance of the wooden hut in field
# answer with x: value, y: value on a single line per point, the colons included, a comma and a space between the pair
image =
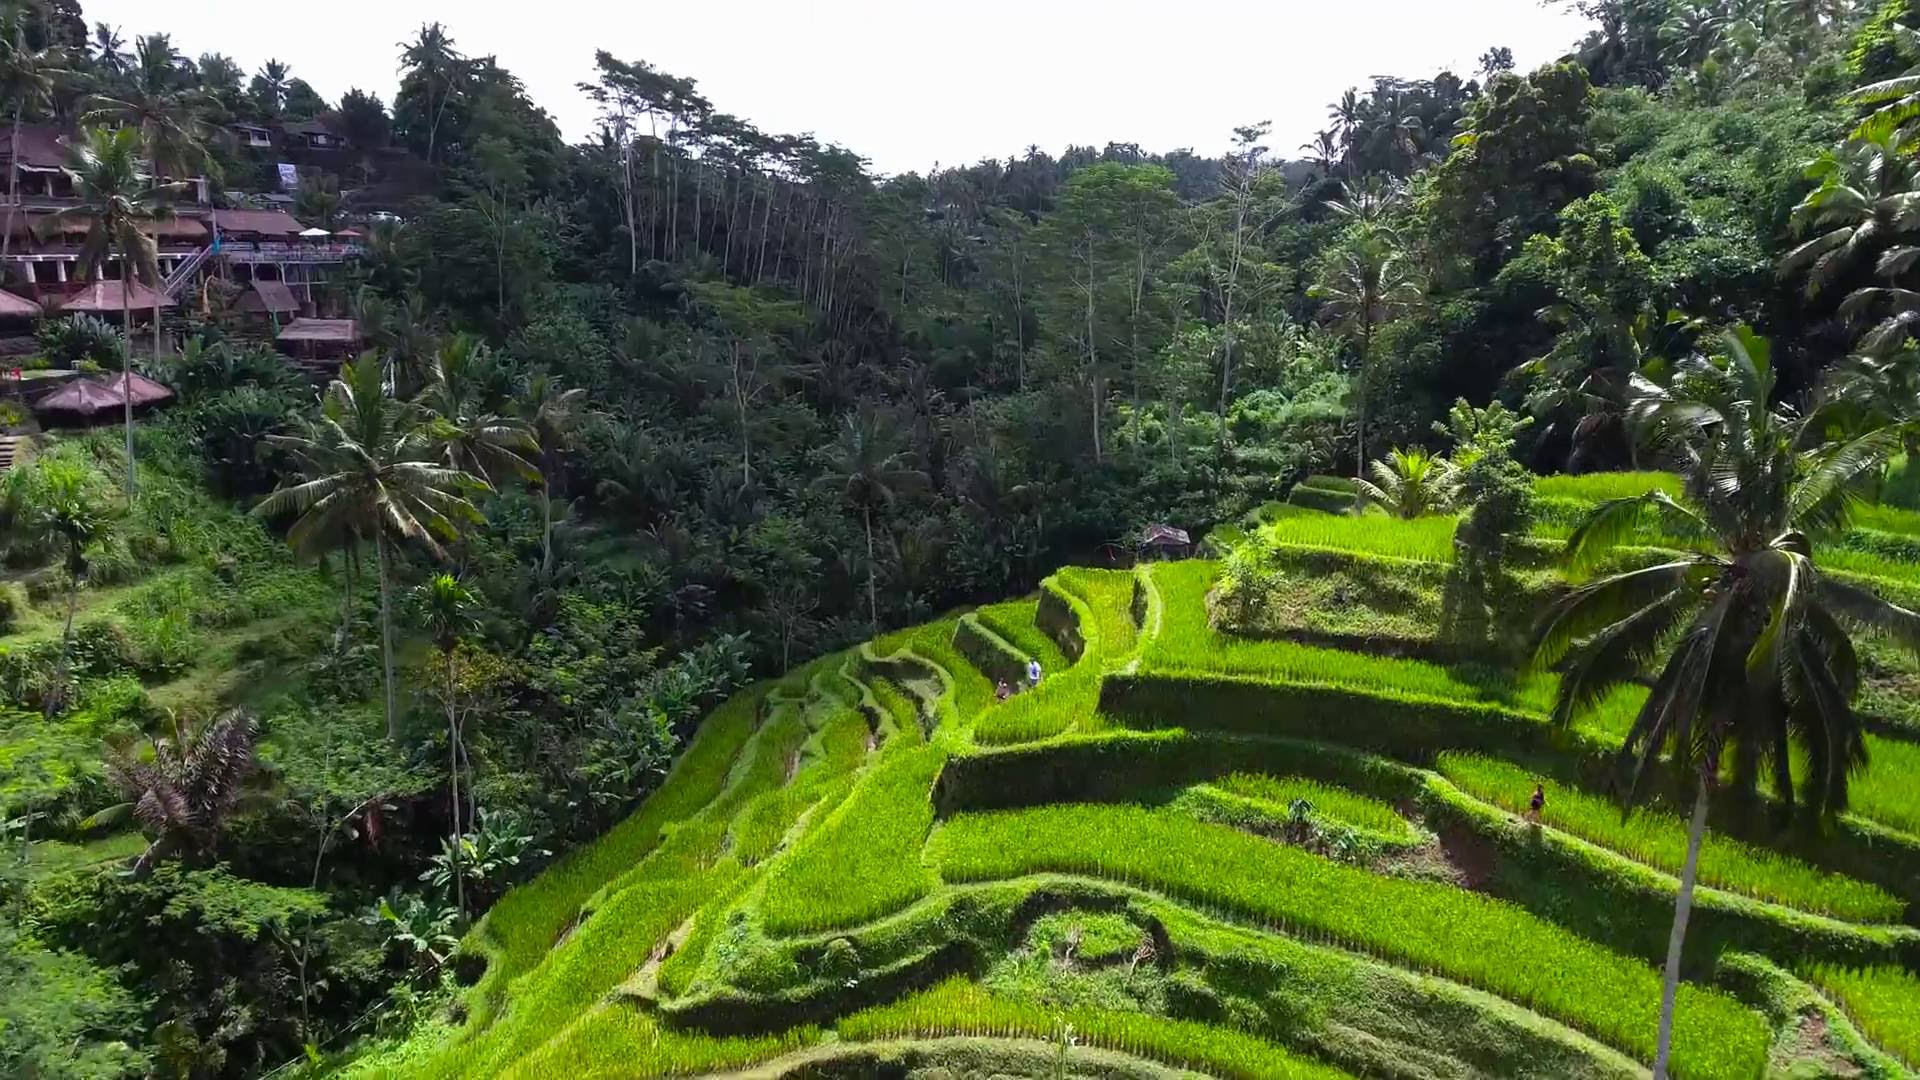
x: 1165, y: 542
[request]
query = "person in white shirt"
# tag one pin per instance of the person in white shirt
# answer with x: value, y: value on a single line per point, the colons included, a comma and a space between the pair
x: 1033, y: 672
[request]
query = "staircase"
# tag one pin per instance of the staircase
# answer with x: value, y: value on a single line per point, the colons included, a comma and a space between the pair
x: 185, y: 272
x: 14, y: 448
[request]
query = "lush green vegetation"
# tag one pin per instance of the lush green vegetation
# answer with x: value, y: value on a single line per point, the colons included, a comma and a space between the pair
x: 559, y: 687
x: 1487, y: 943
x: 1280, y: 793
x: 1883, y: 1001
x: 1659, y: 839
x: 958, y: 1007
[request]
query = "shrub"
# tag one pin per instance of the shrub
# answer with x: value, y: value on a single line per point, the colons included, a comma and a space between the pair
x: 68, y: 342
x: 1488, y: 943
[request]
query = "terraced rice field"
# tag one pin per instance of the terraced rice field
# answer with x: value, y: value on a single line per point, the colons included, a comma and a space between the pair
x: 1148, y: 864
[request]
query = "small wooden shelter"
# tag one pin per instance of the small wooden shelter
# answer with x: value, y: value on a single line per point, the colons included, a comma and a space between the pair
x: 143, y: 390
x: 111, y: 298
x: 81, y: 399
x: 1165, y: 542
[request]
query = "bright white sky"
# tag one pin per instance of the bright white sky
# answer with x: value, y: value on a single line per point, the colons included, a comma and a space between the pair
x: 905, y: 82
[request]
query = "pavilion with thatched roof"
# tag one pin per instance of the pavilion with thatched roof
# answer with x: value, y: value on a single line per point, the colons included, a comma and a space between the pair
x: 106, y: 298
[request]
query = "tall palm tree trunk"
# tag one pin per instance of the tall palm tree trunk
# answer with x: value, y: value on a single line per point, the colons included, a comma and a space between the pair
x: 546, y: 531
x: 873, y: 593
x: 66, y: 640
x: 1682, y: 908
x: 1360, y: 432
x: 386, y: 633
x: 453, y: 781
x: 13, y: 181
x: 126, y: 367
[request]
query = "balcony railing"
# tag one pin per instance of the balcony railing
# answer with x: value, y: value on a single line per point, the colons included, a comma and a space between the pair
x: 242, y: 252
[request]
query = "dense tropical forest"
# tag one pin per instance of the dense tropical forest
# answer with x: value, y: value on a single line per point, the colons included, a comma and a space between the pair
x: 302, y: 675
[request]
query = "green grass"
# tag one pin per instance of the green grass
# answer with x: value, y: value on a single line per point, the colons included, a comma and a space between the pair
x: 604, y: 950
x: 618, y: 1042
x: 1599, y: 487
x: 1277, y: 794
x: 1014, y: 622
x: 1187, y: 644
x: 863, y: 861
x: 834, y: 754
x: 1109, y: 594
x: 901, y: 709
x: 1659, y: 839
x: 1067, y: 697
x: 1427, y: 539
x: 1884, y: 1001
x: 1888, y: 791
x: 960, y: 1007
x: 1892, y: 519
x: 933, y: 642
x: 527, y: 921
x: 1488, y: 943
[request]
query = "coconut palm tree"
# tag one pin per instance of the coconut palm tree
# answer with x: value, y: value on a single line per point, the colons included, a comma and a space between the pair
x: 1692, y: 32
x: 1864, y: 393
x: 184, y: 791
x: 160, y: 101
x: 27, y: 79
x: 472, y: 438
x: 1364, y: 280
x: 370, y: 467
x: 430, y: 55
x: 1866, y: 200
x: 550, y: 411
x: 869, y: 469
x: 110, y: 50
x: 121, y: 206
x: 447, y: 606
x: 1898, y: 98
x: 1411, y: 484
x: 1748, y: 642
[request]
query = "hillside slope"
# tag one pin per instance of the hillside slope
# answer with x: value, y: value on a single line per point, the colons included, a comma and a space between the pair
x: 1221, y: 835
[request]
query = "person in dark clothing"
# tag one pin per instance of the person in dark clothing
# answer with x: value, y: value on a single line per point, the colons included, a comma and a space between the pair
x: 1537, y: 803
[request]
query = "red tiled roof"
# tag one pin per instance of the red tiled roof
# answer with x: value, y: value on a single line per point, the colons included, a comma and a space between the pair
x: 263, y: 222
x: 103, y: 297
x: 40, y: 145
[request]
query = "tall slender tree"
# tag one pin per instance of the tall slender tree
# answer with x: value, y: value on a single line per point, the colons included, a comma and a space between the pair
x: 1748, y: 643
x: 369, y: 467
x: 1364, y: 281
x: 447, y: 606
x: 870, y: 470
x: 27, y: 80
x: 121, y: 207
